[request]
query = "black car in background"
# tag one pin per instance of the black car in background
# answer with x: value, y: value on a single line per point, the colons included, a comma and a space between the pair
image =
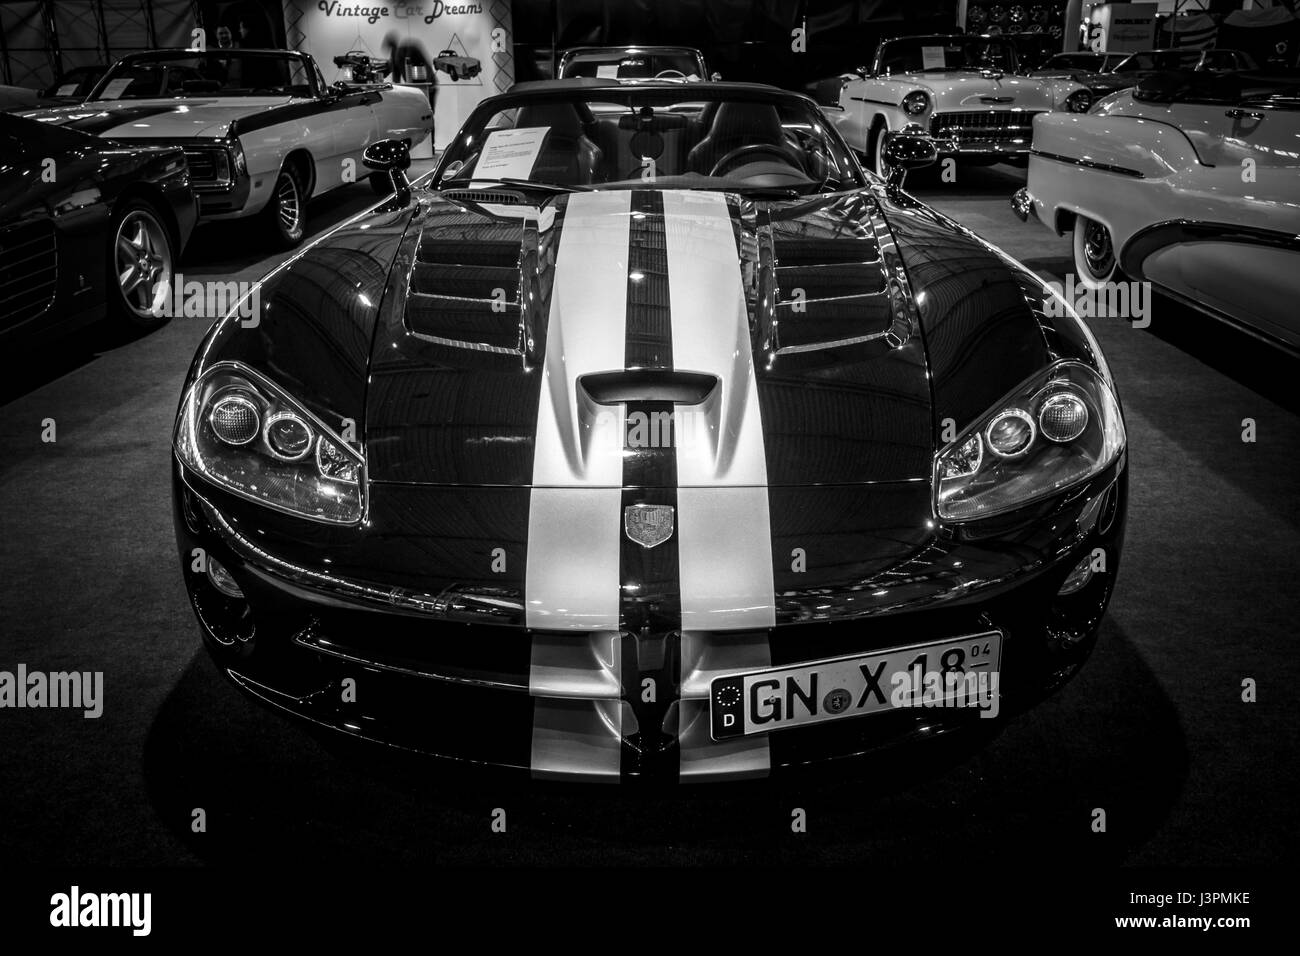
x: 87, y: 228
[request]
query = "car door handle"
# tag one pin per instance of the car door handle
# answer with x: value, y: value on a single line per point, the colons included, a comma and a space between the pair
x: 648, y: 385
x: 1236, y: 113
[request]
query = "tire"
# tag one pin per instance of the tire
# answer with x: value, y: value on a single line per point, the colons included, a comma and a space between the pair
x: 1095, y: 262
x: 141, y: 254
x: 285, y: 215
x: 877, y: 145
x: 381, y: 184
x: 451, y: 71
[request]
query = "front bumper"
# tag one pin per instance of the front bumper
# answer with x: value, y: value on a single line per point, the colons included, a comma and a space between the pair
x: 453, y: 675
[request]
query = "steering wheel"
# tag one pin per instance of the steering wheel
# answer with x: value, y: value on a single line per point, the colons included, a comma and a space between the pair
x: 770, y: 148
x: 669, y: 74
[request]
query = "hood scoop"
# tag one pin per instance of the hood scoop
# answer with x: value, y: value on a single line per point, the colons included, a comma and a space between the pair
x: 464, y: 293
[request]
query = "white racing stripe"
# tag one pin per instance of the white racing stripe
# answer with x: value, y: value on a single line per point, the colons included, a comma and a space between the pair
x: 574, y: 521
x: 724, y: 538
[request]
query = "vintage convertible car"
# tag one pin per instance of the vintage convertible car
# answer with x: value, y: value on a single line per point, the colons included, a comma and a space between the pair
x: 652, y: 440
x: 1093, y: 70
x: 86, y: 228
x: 960, y: 89
x: 1190, y: 181
x: 260, y: 128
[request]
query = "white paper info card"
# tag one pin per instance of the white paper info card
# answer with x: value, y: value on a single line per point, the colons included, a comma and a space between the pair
x: 510, y: 153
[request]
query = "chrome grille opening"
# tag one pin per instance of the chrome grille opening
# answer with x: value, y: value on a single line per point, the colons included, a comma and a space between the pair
x: 208, y: 167
x: 985, y: 129
x: 28, y: 272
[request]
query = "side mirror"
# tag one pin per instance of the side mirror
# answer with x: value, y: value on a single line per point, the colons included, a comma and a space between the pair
x: 906, y: 150
x: 862, y: 71
x: 715, y: 76
x: 392, y: 156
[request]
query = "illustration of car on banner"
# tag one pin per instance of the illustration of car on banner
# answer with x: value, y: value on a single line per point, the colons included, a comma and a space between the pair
x: 961, y: 90
x: 456, y: 66
x: 1190, y: 182
x: 87, y: 229
x: 650, y: 439
x: 262, y: 131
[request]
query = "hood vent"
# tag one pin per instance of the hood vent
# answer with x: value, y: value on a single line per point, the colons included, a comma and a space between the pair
x: 831, y: 293
x: 464, y: 293
x: 493, y: 196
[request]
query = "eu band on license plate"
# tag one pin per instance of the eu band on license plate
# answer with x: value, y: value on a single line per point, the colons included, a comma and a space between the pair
x: 961, y: 671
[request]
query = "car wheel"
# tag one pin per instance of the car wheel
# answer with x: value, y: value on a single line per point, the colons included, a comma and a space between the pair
x: 286, y: 213
x: 451, y: 71
x: 1094, y: 253
x: 878, y: 163
x: 140, y: 257
x: 381, y: 184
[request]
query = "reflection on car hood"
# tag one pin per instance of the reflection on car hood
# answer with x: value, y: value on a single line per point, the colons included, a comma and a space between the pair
x: 794, y: 314
x: 173, y: 118
x: 964, y: 90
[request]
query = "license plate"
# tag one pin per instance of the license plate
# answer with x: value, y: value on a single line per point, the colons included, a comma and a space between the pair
x: 781, y: 697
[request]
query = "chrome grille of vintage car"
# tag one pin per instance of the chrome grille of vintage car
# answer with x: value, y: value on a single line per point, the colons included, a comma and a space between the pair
x: 28, y: 271
x: 976, y: 129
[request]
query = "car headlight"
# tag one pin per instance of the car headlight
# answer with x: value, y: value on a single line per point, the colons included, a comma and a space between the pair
x: 240, y: 160
x: 915, y: 103
x: 1059, y: 428
x: 1078, y: 101
x: 243, y: 433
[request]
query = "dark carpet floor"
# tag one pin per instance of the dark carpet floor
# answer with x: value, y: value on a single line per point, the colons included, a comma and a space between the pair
x: 1154, y: 730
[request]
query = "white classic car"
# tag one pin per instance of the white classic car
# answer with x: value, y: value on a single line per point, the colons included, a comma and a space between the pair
x: 961, y: 90
x: 260, y: 128
x: 1190, y: 184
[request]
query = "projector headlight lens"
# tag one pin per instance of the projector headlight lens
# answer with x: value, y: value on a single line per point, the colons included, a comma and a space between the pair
x: 1057, y: 429
x: 218, y: 438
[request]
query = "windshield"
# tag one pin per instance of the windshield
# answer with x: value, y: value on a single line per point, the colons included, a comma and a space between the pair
x: 940, y: 54
x: 676, y: 137
x: 631, y: 64
x: 1076, y: 61
x: 1162, y: 60
x: 218, y: 72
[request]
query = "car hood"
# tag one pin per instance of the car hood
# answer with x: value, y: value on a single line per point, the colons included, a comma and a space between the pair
x: 973, y: 91
x: 750, y: 344
x: 177, y: 118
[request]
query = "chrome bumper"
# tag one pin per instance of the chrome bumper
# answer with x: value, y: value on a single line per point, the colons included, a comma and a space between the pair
x: 1022, y: 204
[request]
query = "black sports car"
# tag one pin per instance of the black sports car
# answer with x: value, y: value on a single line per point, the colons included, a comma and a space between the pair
x: 652, y: 439
x: 86, y: 227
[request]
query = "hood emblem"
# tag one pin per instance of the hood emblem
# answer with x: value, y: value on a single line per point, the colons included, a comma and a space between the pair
x: 648, y: 525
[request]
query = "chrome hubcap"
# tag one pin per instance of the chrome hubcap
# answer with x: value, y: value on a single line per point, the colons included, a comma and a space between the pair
x: 1097, y: 250
x: 286, y: 194
x: 143, y: 260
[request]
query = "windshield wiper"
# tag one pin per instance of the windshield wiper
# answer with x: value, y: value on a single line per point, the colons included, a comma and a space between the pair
x: 524, y: 183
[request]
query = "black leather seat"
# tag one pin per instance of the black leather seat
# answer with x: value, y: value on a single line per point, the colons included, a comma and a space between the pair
x: 568, y: 155
x: 737, y: 124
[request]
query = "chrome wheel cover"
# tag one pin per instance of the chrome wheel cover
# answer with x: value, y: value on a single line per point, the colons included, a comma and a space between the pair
x: 288, y: 204
x: 142, y: 258
x: 1097, y: 250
